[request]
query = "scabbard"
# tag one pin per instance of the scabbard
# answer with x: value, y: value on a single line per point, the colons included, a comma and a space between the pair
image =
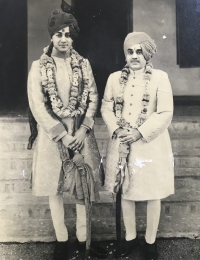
x: 83, y: 172
x: 118, y: 216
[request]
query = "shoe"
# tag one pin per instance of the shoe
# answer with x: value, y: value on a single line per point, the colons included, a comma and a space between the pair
x: 126, y: 248
x: 151, y: 251
x: 95, y: 251
x: 61, y: 250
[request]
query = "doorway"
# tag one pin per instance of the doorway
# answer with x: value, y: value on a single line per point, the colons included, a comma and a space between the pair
x: 104, y: 25
x: 13, y: 53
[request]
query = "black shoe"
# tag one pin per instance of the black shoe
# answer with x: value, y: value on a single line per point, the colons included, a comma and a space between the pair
x: 151, y: 251
x: 126, y: 248
x: 95, y: 251
x: 61, y: 250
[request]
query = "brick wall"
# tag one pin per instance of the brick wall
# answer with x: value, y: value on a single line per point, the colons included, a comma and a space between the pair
x: 24, y: 217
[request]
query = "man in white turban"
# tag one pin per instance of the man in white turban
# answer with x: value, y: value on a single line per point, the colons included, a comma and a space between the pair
x: 137, y: 108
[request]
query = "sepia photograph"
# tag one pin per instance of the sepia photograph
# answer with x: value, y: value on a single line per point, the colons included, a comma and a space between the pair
x: 99, y: 129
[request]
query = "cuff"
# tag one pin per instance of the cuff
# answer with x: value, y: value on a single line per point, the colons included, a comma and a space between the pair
x: 60, y: 136
x: 56, y: 130
x: 88, y: 128
x: 89, y: 122
x: 144, y: 137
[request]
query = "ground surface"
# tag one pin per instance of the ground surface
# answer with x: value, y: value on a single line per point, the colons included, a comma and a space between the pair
x: 169, y: 249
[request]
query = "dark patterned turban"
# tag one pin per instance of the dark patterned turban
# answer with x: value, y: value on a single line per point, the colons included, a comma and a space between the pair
x: 147, y: 44
x: 59, y: 20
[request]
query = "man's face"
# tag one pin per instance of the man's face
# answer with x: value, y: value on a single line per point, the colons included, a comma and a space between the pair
x: 62, y: 40
x: 135, y: 58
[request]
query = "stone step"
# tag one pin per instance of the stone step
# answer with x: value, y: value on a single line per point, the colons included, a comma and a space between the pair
x: 21, y: 168
x: 30, y: 222
x: 10, y: 127
x: 186, y: 189
x: 18, y: 149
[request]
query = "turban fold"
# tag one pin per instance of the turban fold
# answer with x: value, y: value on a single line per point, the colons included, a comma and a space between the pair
x: 59, y: 20
x: 147, y: 44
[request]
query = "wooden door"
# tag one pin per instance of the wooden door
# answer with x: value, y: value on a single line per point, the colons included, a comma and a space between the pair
x: 104, y: 25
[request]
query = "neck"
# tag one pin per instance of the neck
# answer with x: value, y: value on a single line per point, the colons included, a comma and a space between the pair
x: 59, y: 54
x: 137, y: 71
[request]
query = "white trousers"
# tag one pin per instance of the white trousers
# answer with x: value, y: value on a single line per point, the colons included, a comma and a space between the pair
x: 153, y: 217
x: 58, y: 217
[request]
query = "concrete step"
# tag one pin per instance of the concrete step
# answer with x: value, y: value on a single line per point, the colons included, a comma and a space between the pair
x: 32, y: 222
x: 186, y: 189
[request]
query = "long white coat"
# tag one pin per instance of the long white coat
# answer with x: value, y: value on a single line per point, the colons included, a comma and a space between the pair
x: 46, y: 160
x: 150, y: 174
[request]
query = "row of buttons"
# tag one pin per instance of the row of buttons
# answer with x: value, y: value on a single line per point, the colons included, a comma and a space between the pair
x: 131, y: 96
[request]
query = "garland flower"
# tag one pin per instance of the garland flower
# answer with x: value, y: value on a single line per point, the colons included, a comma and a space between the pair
x: 121, y: 122
x: 77, y: 103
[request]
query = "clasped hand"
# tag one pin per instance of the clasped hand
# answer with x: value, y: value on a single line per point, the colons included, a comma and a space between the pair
x: 128, y: 135
x: 75, y: 142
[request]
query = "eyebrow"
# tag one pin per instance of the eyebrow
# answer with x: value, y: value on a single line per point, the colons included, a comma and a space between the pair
x: 63, y: 32
x: 139, y: 49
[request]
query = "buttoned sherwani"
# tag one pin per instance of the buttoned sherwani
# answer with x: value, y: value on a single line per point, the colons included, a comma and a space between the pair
x: 149, y: 175
x: 46, y: 161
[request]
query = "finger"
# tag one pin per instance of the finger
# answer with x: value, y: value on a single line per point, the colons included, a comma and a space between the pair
x: 122, y: 134
x: 74, y: 144
x: 75, y: 147
x: 127, y: 129
x: 80, y: 146
x: 126, y: 140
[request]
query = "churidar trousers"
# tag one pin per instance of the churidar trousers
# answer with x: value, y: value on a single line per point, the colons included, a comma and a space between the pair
x: 153, y: 217
x: 58, y: 217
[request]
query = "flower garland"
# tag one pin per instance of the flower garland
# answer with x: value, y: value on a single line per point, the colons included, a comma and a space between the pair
x: 77, y: 103
x: 121, y: 122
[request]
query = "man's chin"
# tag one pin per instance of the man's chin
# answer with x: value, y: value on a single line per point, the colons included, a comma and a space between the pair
x: 63, y: 49
x: 135, y: 67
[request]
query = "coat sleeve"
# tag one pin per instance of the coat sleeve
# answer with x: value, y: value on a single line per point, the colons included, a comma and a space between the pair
x: 52, y: 126
x: 107, y: 108
x: 161, y: 119
x: 92, y: 99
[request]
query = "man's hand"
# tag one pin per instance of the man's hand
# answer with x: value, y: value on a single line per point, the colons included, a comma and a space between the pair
x: 79, y: 136
x: 117, y: 131
x: 68, y: 140
x: 129, y: 135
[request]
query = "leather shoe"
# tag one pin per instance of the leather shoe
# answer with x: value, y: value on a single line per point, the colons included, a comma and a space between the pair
x: 61, y: 250
x: 126, y: 248
x: 95, y: 251
x: 151, y: 251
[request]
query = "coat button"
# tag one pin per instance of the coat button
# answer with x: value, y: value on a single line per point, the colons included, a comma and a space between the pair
x: 131, y: 104
x: 133, y: 86
x: 129, y: 114
x: 131, y: 95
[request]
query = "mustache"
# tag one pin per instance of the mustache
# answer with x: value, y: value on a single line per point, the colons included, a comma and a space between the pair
x: 133, y: 60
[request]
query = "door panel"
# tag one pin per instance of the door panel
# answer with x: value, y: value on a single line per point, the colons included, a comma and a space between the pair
x: 104, y: 26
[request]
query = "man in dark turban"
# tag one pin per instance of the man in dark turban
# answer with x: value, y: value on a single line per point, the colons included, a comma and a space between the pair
x: 63, y: 99
x: 137, y: 108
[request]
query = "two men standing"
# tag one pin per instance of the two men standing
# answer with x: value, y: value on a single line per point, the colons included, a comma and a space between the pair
x: 137, y: 108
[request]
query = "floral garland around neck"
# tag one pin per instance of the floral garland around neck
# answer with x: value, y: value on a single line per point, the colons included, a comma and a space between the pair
x: 77, y: 103
x: 121, y: 122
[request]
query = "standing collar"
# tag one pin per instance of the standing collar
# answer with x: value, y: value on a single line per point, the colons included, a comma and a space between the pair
x: 137, y: 72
